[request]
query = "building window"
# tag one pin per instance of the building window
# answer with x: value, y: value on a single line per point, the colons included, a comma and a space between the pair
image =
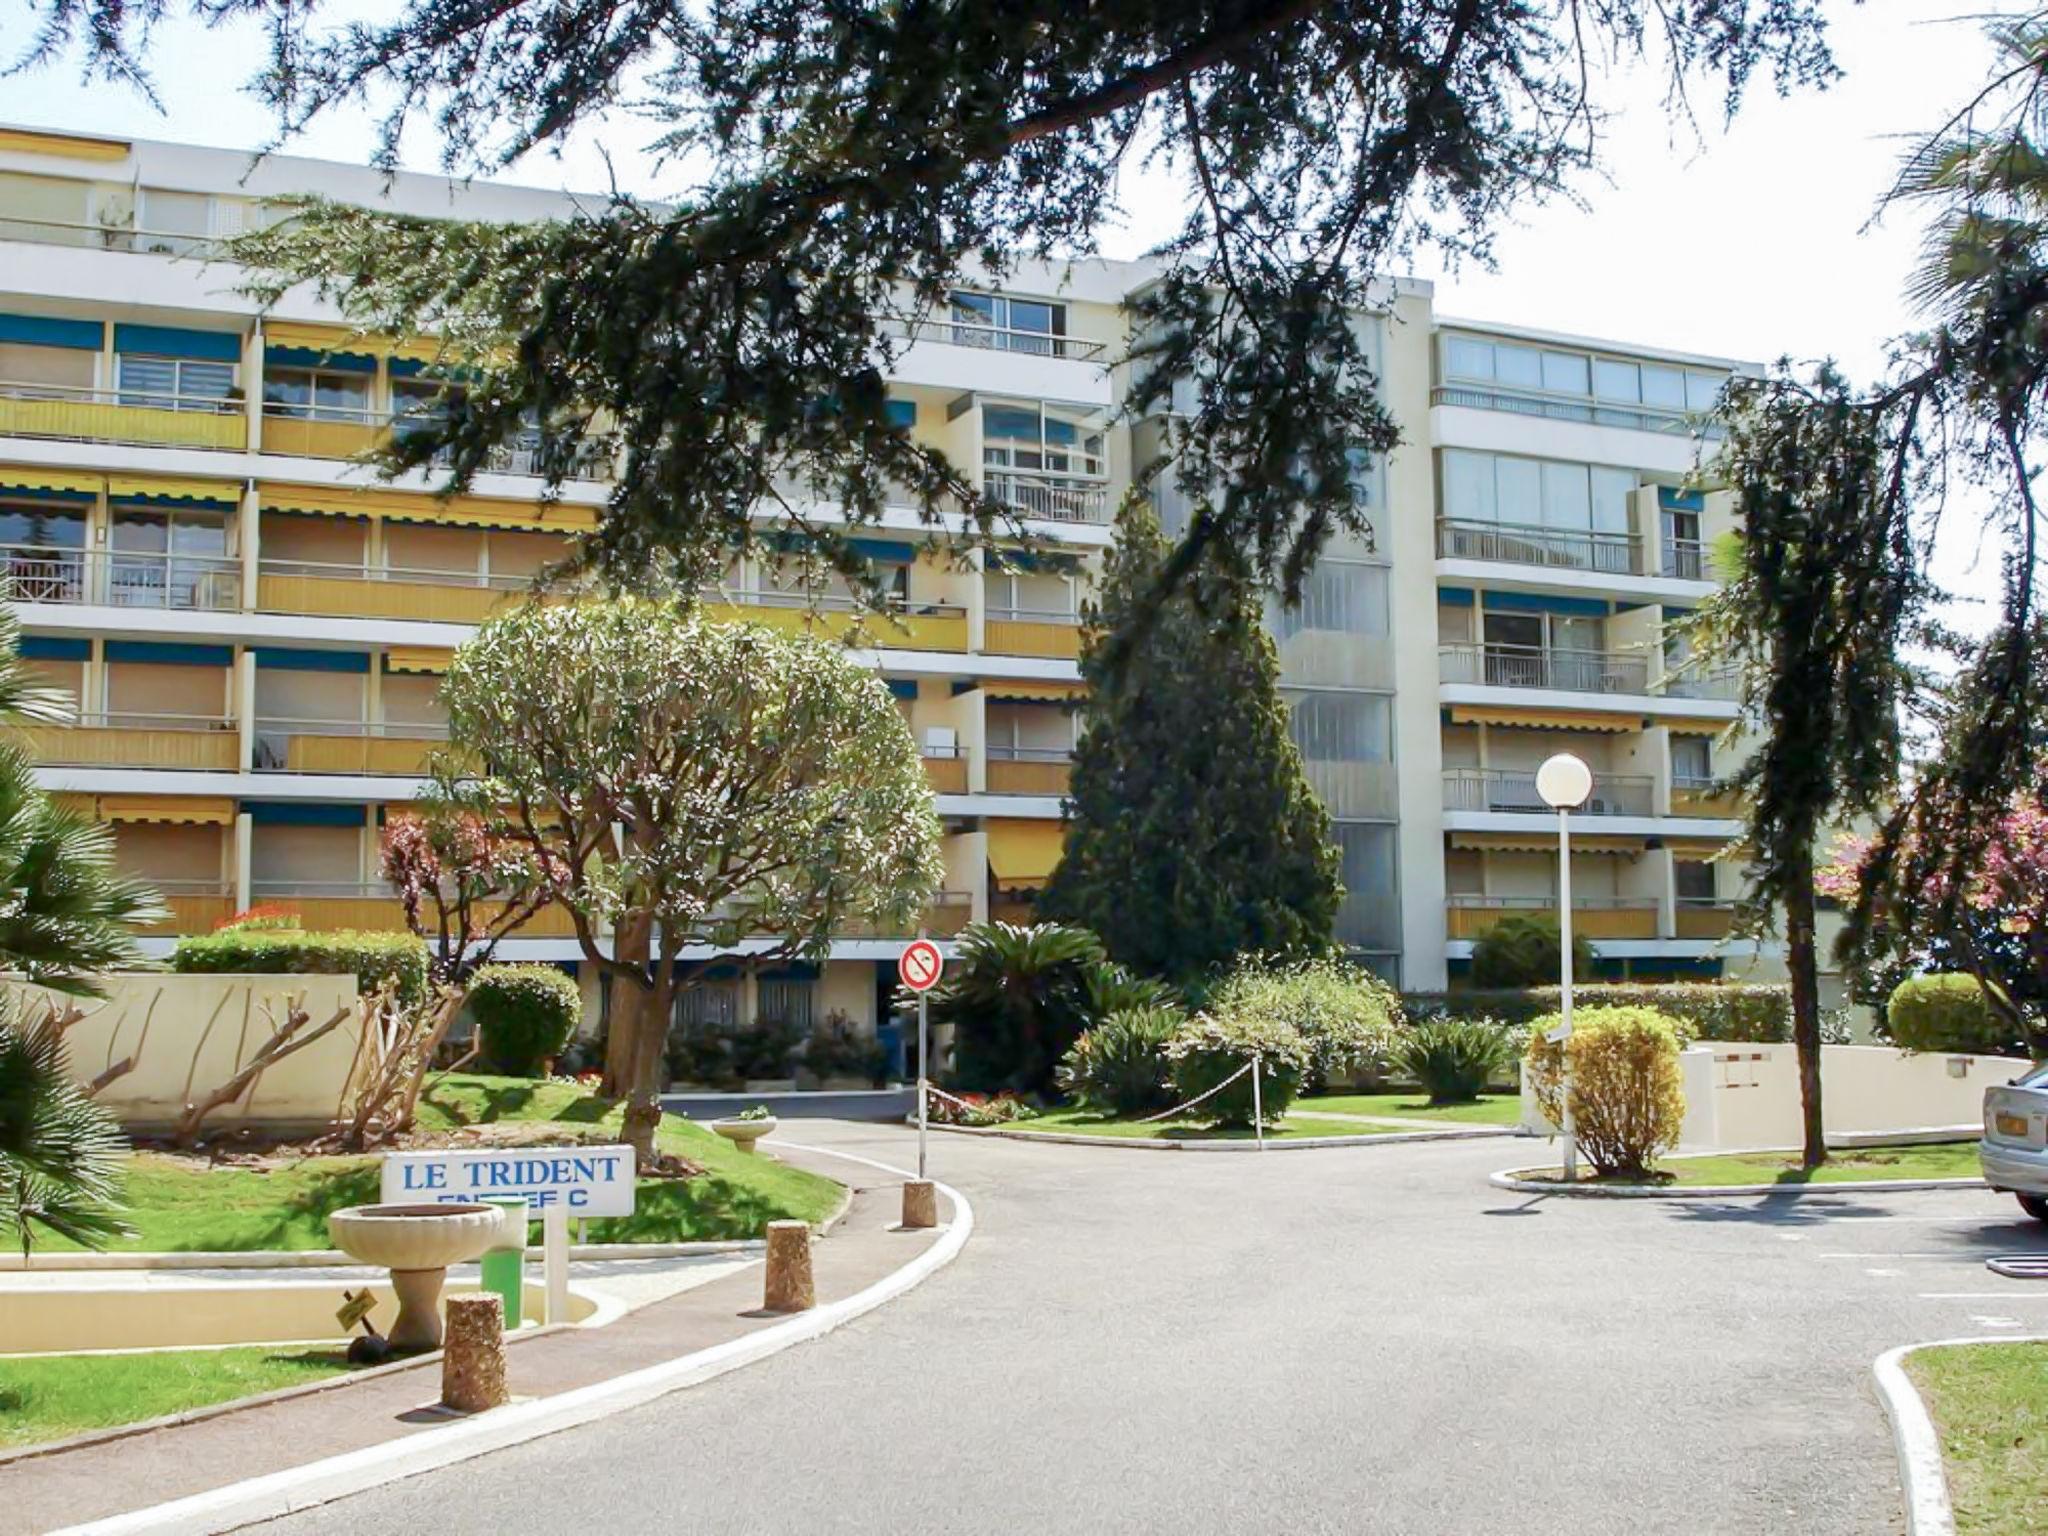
x: 1045, y: 439
x: 789, y: 1002
x: 1692, y: 762
x: 1343, y: 727
x: 43, y: 548
x: 1535, y: 493
x: 173, y: 383
x: 708, y: 1005
x: 316, y: 393
x: 1006, y: 324
x: 1693, y: 879
x: 1339, y: 597
x: 1370, y: 917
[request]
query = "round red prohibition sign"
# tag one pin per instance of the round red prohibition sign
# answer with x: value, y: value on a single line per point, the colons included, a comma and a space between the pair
x: 919, y: 965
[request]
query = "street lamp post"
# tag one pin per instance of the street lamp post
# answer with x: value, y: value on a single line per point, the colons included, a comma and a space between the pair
x: 1565, y: 783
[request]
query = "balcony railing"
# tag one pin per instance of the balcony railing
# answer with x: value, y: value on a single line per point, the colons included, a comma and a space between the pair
x: 196, y: 906
x: 949, y: 912
x: 345, y: 432
x: 1504, y: 789
x: 1685, y: 559
x: 1692, y: 796
x: 1056, y: 498
x: 1687, y: 683
x: 1522, y: 544
x: 147, y: 417
x: 946, y: 772
x: 107, y: 237
x: 1641, y: 418
x: 125, y: 740
x: 1612, y: 917
x: 286, y: 745
x: 1529, y: 666
x: 900, y: 625
x: 122, y: 578
x: 1703, y: 917
x: 991, y: 338
x: 1029, y: 770
x: 383, y: 591
x: 1048, y: 632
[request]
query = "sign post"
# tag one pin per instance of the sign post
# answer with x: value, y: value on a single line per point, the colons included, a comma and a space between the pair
x: 1565, y: 783
x: 919, y: 967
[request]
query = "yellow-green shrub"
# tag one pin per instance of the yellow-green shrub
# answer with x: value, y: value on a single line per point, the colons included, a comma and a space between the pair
x: 1627, y: 1101
x: 1945, y: 1012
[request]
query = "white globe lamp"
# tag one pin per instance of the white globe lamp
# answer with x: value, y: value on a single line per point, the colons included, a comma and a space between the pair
x: 1565, y: 783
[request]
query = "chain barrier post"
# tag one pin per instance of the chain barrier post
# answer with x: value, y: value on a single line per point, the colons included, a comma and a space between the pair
x: 1258, y: 1102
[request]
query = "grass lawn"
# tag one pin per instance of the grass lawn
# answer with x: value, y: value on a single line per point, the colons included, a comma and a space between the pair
x: 1944, y: 1160
x: 1500, y: 1109
x: 1990, y: 1402
x: 48, y: 1399
x: 1084, y: 1122
x: 179, y: 1205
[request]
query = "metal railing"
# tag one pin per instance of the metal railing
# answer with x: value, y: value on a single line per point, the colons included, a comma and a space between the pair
x: 1721, y: 684
x: 275, y: 734
x: 1698, y: 783
x: 991, y: 338
x: 1476, y: 903
x: 142, y: 399
x: 1008, y: 615
x: 406, y: 575
x: 272, y: 890
x: 894, y: 605
x: 1524, y: 544
x: 122, y: 578
x: 1685, y: 559
x: 1056, y: 498
x: 130, y: 720
x: 1529, y: 666
x: 525, y: 454
x: 1641, y: 418
x: 107, y: 237
x: 1030, y: 754
x: 1504, y: 789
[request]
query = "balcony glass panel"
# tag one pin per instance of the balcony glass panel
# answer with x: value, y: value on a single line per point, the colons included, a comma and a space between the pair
x: 1514, y: 790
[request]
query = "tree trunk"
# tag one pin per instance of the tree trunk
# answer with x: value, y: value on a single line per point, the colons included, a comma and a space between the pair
x: 632, y: 943
x: 1802, y: 961
x: 644, y: 1070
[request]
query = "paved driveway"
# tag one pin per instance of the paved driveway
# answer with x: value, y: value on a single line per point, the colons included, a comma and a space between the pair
x: 1361, y: 1339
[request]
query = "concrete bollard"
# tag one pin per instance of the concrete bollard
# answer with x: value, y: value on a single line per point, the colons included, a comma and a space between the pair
x: 920, y: 1203
x: 790, y: 1287
x: 473, y: 1356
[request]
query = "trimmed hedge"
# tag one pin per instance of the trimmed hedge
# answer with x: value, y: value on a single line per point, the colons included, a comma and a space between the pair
x: 372, y: 958
x: 1715, y: 1010
x: 527, y: 1014
x: 1627, y: 1097
x: 1947, y: 1013
x: 1209, y: 1050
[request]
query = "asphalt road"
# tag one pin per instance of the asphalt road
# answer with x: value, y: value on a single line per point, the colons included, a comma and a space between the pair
x: 1360, y: 1339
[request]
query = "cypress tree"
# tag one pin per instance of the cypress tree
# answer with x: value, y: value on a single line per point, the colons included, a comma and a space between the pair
x: 1193, y: 835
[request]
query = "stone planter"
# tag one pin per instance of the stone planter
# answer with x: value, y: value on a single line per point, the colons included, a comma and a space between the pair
x: 416, y: 1243
x: 744, y: 1133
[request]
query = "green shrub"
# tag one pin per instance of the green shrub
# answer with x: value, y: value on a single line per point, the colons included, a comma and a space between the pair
x: 526, y: 1015
x: 1119, y: 1066
x: 1111, y: 988
x: 1349, y: 1018
x: 372, y: 958
x: 1628, y: 1103
x: 838, y: 1047
x: 1017, y: 997
x: 1947, y: 1013
x: 1209, y: 1049
x: 1523, y: 950
x: 1716, y: 1010
x: 1453, y: 1059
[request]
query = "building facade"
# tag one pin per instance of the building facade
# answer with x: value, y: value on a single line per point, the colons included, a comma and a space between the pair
x: 253, y: 622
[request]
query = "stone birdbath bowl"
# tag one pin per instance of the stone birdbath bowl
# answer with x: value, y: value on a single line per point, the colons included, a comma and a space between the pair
x: 743, y: 1133
x: 416, y: 1243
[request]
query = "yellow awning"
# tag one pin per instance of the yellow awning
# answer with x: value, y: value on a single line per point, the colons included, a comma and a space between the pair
x: 119, y: 486
x: 1024, y: 852
x: 1547, y: 719
x: 1030, y: 689
x: 417, y: 659
x: 414, y: 507
x: 1698, y: 847
x: 28, y: 478
x: 337, y: 340
x: 1688, y: 726
x: 184, y: 810
x: 1533, y: 842
x: 67, y: 146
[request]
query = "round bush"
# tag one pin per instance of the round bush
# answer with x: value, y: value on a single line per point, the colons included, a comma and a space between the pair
x: 1349, y: 1019
x: 1119, y: 1066
x: 1946, y: 1013
x: 527, y: 1015
x: 1453, y: 1059
x: 1522, y: 951
x: 1209, y: 1049
x: 1627, y: 1100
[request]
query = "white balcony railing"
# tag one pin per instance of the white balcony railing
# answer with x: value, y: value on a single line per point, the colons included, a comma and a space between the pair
x: 1504, y: 789
x: 1522, y: 544
x: 1685, y: 559
x: 1599, y: 413
x: 107, y: 237
x: 991, y: 338
x: 407, y: 575
x: 1056, y: 498
x: 1560, y: 668
x: 122, y: 578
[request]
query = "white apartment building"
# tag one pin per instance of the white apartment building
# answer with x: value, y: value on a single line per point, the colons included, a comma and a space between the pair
x: 253, y: 622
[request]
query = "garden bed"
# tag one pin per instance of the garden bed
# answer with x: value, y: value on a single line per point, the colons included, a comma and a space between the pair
x: 1990, y: 1404
x: 1083, y: 1122
x: 1505, y: 1109
x: 53, y: 1397
x: 1862, y: 1165
x: 278, y: 1197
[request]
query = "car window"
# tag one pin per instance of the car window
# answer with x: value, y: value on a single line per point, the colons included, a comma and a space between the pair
x: 2037, y: 1078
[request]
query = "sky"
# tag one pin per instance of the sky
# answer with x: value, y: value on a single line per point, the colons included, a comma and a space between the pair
x: 1751, y: 239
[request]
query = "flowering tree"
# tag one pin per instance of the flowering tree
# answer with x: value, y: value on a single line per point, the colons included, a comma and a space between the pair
x: 703, y: 790
x: 1991, y: 924
x: 464, y: 884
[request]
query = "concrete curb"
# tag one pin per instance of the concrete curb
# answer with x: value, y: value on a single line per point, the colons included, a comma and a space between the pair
x: 1922, y: 1477
x: 1506, y: 1179
x: 320, y: 1482
x: 1277, y: 1144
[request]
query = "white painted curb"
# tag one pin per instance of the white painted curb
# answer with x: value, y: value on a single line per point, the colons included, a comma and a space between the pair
x: 1506, y: 1179
x: 297, y: 1488
x: 332, y: 1258
x: 1275, y: 1144
x: 1921, y: 1475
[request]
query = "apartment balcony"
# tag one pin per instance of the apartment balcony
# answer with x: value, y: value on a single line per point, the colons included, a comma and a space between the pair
x: 1504, y: 789
x: 1721, y: 685
x: 1617, y: 917
x: 1697, y: 917
x: 1518, y: 402
x: 1685, y: 560
x: 949, y: 912
x: 119, y: 578
x: 122, y: 416
x: 383, y: 592
x: 1031, y: 632
x: 336, y: 432
x: 946, y: 772
x: 1565, y: 670
x: 1029, y: 770
x: 1054, y: 498
x: 1703, y: 797
x: 992, y: 338
x: 1614, y: 554
x: 346, y: 746
x: 192, y: 742
x: 903, y: 627
x: 196, y: 906
x: 327, y: 905
x: 126, y: 238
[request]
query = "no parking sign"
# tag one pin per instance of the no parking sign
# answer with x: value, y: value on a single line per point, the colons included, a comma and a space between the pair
x: 920, y: 965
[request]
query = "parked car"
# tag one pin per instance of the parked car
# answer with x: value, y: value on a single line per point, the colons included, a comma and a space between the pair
x: 2014, y: 1150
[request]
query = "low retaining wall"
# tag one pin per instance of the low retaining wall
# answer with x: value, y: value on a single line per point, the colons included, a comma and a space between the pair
x: 1740, y: 1095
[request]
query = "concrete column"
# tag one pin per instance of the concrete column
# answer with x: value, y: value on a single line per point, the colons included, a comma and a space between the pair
x: 245, y: 708
x: 249, y: 520
x: 252, y: 384
x: 240, y: 853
